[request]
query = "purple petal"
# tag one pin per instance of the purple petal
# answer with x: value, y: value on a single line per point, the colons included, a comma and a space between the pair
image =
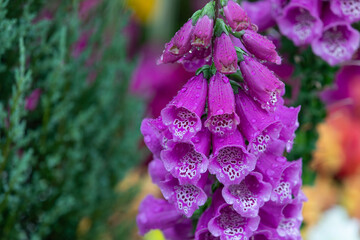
x: 259, y: 127
x: 203, y: 32
x: 260, y: 46
x: 155, y: 134
x: 261, y: 84
x: 196, y: 58
x: 156, y: 214
x: 301, y: 21
x: 236, y: 16
x: 348, y: 9
x: 186, y: 198
x: 227, y: 223
x: 338, y: 42
x: 260, y: 13
x: 187, y: 160
x: 182, y: 115
x: 230, y: 161
x: 222, y: 119
x: 225, y: 58
x: 289, y: 120
x: 248, y: 196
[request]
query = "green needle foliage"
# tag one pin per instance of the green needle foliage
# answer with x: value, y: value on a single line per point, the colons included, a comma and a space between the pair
x: 60, y: 163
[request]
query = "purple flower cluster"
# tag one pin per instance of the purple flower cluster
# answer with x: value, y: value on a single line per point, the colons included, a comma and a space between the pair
x: 218, y: 145
x: 326, y: 25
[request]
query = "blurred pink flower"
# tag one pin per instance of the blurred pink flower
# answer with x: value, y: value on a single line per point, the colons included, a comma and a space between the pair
x: 157, y: 83
x: 32, y: 100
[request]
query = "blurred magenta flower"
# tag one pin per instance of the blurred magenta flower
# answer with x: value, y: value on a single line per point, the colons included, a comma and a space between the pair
x: 348, y: 9
x: 339, y: 39
x: 260, y: 13
x: 301, y: 21
x: 32, y: 100
x: 157, y: 83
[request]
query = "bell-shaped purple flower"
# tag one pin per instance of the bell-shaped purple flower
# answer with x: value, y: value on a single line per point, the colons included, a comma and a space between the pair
x: 202, y: 232
x: 182, y: 39
x: 236, y: 16
x: 347, y: 9
x: 230, y: 161
x: 261, y: 84
x: 156, y: 134
x: 156, y: 214
x: 182, y: 115
x: 260, y: 46
x: 259, y: 127
x: 222, y: 118
x: 179, y: 45
x: 338, y: 42
x: 225, y: 58
x: 187, y: 160
x: 301, y: 21
x: 289, y: 120
x: 203, y: 32
x: 186, y: 198
x: 283, y: 221
x: 284, y: 176
x: 289, y: 184
x: 248, y: 196
x: 228, y: 224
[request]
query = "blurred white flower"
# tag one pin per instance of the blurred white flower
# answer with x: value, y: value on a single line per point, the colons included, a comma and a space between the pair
x: 335, y: 224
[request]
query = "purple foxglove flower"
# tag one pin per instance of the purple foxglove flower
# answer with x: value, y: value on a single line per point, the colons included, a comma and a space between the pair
x: 248, y: 196
x: 301, y: 21
x: 236, y: 16
x: 260, y: 13
x: 182, y: 39
x: 167, y: 56
x: 225, y: 58
x: 156, y: 135
x: 259, y: 127
x: 156, y: 214
x: 261, y: 84
x: 179, y: 45
x: 203, y: 32
x: 289, y: 120
x: 230, y: 161
x: 348, y: 9
x: 289, y: 183
x: 338, y: 42
x: 182, y: 115
x: 187, y: 160
x: 32, y: 100
x: 196, y: 58
x: 202, y: 232
x: 186, y: 198
x: 260, y: 46
x: 228, y: 224
x: 222, y: 118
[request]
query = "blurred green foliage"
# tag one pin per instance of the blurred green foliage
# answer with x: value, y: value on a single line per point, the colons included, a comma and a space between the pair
x: 62, y: 161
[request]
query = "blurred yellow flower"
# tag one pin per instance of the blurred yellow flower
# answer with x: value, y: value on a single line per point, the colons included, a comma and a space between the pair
x: 328, y: 156
x: 143, y: 10
x: 154, y: 235
x: 351, y: 195
x: 320, y: 197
